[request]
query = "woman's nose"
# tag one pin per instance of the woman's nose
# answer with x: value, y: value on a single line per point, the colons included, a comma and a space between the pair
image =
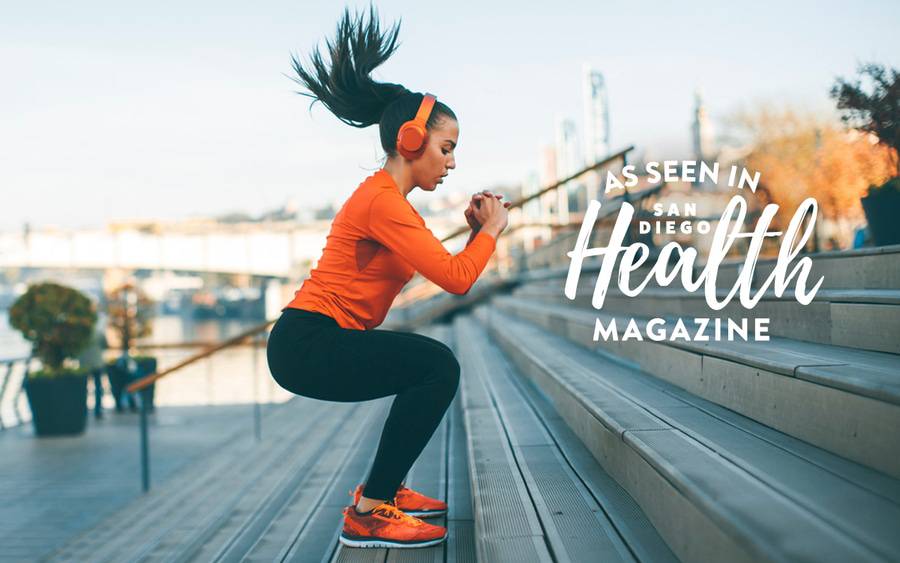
x: 451, y: 163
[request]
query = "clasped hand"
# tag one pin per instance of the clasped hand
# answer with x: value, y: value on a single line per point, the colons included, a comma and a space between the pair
x: 475, y: 216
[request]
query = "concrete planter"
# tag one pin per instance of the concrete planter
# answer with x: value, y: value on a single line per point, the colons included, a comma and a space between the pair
x: 58, y: 404
x: 882, y: 209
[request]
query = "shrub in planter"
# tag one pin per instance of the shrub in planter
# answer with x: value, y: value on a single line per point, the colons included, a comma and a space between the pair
x: 119, y: 378
x: 130, y: 318
x: 58, y: 321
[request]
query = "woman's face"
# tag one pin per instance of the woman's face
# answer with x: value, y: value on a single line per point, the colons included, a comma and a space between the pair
x: 438, y: 158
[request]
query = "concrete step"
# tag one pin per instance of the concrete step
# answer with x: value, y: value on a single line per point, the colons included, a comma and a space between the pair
x: 868, y: 319
x: 865, y: 268
x: 273, y: 518
x: 226, y: 523
x: 846, y: 401
x: 138, y: 527
x: 717, y: 486
x: 460, y: 512
x: 507, y: 526
x: 538, y: 494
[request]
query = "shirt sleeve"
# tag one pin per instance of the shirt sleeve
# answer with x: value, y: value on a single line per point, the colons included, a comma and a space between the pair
x: 393, y: 223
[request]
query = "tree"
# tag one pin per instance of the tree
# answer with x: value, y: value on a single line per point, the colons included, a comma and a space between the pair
x: 800, y: 155
x: 130, y: 315
x: 58, y: 320
x: 877, y: 112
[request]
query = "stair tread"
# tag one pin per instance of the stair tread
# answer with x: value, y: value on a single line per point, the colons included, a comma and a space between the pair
x: 575, y: 521
x: 817, y: 494
x: 875, y: 296
x: 138, y: 521
x: 292, y: 498
x: 871, y: 374
x: 503, y: 510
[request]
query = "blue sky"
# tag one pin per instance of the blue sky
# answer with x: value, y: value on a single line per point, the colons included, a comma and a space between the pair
x: 114, y: 110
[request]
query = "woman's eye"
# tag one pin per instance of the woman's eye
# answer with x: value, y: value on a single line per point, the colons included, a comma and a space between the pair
x: 445, y: 151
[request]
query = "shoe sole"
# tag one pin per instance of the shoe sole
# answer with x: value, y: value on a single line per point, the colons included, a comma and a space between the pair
x: 426, y: 513
x: 394, y: 544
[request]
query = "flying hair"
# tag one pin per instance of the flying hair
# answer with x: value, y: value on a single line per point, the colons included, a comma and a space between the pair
x: 344, y: 84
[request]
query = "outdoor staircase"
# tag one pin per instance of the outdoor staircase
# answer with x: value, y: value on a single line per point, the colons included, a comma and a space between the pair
x: 559, y: 448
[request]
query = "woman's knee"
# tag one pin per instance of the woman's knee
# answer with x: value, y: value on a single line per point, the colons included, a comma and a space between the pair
x: 448, y: 369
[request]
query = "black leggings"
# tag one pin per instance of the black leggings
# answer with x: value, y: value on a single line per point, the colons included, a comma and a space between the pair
x: 309, y: 354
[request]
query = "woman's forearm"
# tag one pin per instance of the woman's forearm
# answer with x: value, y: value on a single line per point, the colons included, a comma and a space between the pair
x: 472, y: 234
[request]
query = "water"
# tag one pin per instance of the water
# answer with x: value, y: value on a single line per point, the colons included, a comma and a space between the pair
x: 12, y: 345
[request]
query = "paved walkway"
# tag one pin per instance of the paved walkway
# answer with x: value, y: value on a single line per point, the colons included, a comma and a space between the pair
x: 54, y: 488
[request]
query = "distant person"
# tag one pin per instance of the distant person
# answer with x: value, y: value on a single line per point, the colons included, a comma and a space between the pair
x: 324, y: 344
x: 861, y: 237
x: 91, y: 359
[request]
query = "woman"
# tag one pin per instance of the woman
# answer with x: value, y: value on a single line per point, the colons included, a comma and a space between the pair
x: 324, y: 344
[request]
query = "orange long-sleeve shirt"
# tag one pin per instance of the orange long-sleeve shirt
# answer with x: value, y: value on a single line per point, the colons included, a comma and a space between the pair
x: 376, y: 243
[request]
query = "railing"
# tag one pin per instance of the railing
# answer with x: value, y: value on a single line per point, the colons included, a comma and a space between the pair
x: 563, y: 231
x: 621, y: 155
x: 425, y: 302
x: 141, y: 386
x: 603, y: 224
x: 12, y: 384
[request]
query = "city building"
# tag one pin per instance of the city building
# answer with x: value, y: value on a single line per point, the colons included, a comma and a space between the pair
x: 596, y: 115
x: 596, y: 125
x: 568, y: 161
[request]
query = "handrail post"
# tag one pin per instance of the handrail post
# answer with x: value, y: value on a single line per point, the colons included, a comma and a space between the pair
x: 257, y: 415
x: 19, y: 418
x: 145, y: 442
x: 9, y: 369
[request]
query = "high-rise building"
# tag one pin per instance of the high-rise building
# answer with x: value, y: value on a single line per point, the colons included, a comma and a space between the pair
x: 530, y: 234
x: 701, y: 129
x: 596, y: 126
x: 596, y: 115
x: 568, y: 161
x: 530, y: 186
x: 546, y: 177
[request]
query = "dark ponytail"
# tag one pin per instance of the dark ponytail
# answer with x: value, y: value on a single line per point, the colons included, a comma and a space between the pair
x: 347, y: 89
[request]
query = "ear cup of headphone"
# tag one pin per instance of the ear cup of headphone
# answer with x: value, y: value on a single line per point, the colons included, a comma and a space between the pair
x: 412, y: 135
x: 411, y: 140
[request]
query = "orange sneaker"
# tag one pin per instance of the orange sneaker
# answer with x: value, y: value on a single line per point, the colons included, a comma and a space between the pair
x: 411, y: 502
x: 388, y: 526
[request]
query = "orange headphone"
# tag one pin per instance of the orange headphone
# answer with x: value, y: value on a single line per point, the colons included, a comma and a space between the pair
x: 412, y: 134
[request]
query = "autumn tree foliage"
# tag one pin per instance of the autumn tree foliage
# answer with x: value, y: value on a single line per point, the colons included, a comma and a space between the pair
x: 130, y: 315
x: 801, y: 155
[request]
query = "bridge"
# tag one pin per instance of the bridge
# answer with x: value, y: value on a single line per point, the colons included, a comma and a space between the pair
x: 270, y: 250
x: 284, y: 250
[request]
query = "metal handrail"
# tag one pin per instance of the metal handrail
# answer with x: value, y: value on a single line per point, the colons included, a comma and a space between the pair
x: 142, y: 386
x: 525, y: 199
x: 143, y: 346
x: 425, y: 291
x: 4, y: 384
x: 145, y: 381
